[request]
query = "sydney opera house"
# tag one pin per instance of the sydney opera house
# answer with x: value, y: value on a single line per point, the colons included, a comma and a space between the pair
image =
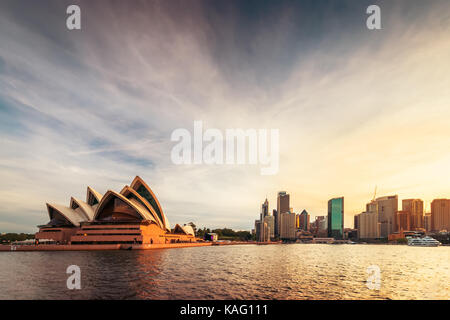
x: 132, y: 216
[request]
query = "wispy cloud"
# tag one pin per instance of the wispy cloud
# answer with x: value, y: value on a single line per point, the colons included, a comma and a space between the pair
x: 355, y: 108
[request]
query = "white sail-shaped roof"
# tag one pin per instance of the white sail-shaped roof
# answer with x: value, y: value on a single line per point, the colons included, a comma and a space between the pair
x: 133, y: 203
x: 144, y: 190
x: 93, y: 197
x: 128, y: 191
x: 84, y: 207
x: 71, y: 215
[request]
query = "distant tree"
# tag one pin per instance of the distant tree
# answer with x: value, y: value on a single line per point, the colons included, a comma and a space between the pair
x: 11, y: 237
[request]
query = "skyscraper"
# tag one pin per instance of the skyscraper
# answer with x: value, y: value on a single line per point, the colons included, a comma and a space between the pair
x: 427, y: 222
x: 403, y: 220
x: 368, y: 225
x: 336, y: 218
x: 265, y: 208
x: 304, y: 221
x: 440, y: 214
x: 287, y: 226
x: 387, y: 208
x: 415, y: 209
x: 283, y: 202
x: 275, y: 223
x: 282, y: 207
x: 269, y: 220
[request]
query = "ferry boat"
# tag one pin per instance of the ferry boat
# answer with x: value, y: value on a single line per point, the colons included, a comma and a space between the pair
x: 423, y: 242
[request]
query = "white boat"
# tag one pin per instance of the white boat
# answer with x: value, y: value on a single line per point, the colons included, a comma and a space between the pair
x: 423, y: 242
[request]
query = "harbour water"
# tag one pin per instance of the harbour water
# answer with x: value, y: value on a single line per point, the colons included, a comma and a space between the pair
x: 291, y: 271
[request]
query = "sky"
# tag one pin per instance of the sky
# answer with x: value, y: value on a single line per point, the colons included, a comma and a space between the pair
x: 355, y: 108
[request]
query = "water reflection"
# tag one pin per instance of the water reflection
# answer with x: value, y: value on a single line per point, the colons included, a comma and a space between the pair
x: 231, y: 272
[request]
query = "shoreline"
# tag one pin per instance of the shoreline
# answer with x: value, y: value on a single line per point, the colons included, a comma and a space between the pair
x: 110, y: 247
x: 98, y: 247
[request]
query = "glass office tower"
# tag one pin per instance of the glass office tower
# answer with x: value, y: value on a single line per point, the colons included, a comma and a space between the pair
x: 336, y: 218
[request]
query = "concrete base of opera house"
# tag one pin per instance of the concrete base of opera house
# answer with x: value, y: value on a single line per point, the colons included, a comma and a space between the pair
x: 97, y: 247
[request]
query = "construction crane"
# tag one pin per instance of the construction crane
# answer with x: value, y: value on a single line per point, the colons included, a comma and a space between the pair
x: 375, y: 194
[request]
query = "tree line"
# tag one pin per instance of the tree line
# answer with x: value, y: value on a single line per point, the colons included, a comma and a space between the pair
x: 11, y: 237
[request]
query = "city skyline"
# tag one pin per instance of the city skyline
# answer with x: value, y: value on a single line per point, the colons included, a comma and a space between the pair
x: 355, y: 108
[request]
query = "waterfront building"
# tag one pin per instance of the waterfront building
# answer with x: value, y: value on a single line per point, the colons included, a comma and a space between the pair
x: 403, y: 220
x: 211, y: 236
x: 131, y: 216
x: 440, y: 215
x: 265, y: 208
x: 380, y: 218
x: 287, y: 226
x: 319, y: 227
x: 264, y: 233
x: 415, y: 209
x: 275, y: 223
x: 336, y: 218
x: 387, y: 208
x: 368, y: 225
x: 304, y: 221
x: 356, y: 221
x: 257, y: 229
x: 282, y: 207
x: 350, y: 234
x: 270, y: 221
x: 403, y: 234
x: 427, y: 222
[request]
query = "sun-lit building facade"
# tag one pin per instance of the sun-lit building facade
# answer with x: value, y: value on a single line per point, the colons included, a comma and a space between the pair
x: 131, y: 216
x: 336, y: 218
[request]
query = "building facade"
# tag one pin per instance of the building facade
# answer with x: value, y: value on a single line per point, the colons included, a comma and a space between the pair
x: 427, y: 222
x: 403, y: 220
x: 387, y: 208
x: 270, y: 221
x: 440, y: 214
x: 368, y: 225
x: 414, y: 207
x: 303, y: 221
x: 336, y: 218
x: 282, y: 207
x: 287, y: 226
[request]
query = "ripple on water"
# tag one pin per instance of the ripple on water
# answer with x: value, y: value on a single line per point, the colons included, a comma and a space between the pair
x: 231, y: 272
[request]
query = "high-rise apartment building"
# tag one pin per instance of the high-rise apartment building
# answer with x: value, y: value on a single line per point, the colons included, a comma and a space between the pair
x: 265, y: 208
x: 287, y: 226
x: 270, y: 221
x: 303, y: 220
x: 440, y: 214
x: 415, y: 209
x: 275, y: 223
x: 282, y: 207
x: 403, y: 221
x: 427, y: 222
x: 368, y: 225
x: 387, y: 208
x: 336, y: 218
x: 262, y: 231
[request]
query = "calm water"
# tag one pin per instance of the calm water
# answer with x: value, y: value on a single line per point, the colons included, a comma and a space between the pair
x: 296, y: 271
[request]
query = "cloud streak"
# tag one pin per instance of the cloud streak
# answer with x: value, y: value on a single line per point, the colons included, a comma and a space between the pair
x: 355, y: 108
